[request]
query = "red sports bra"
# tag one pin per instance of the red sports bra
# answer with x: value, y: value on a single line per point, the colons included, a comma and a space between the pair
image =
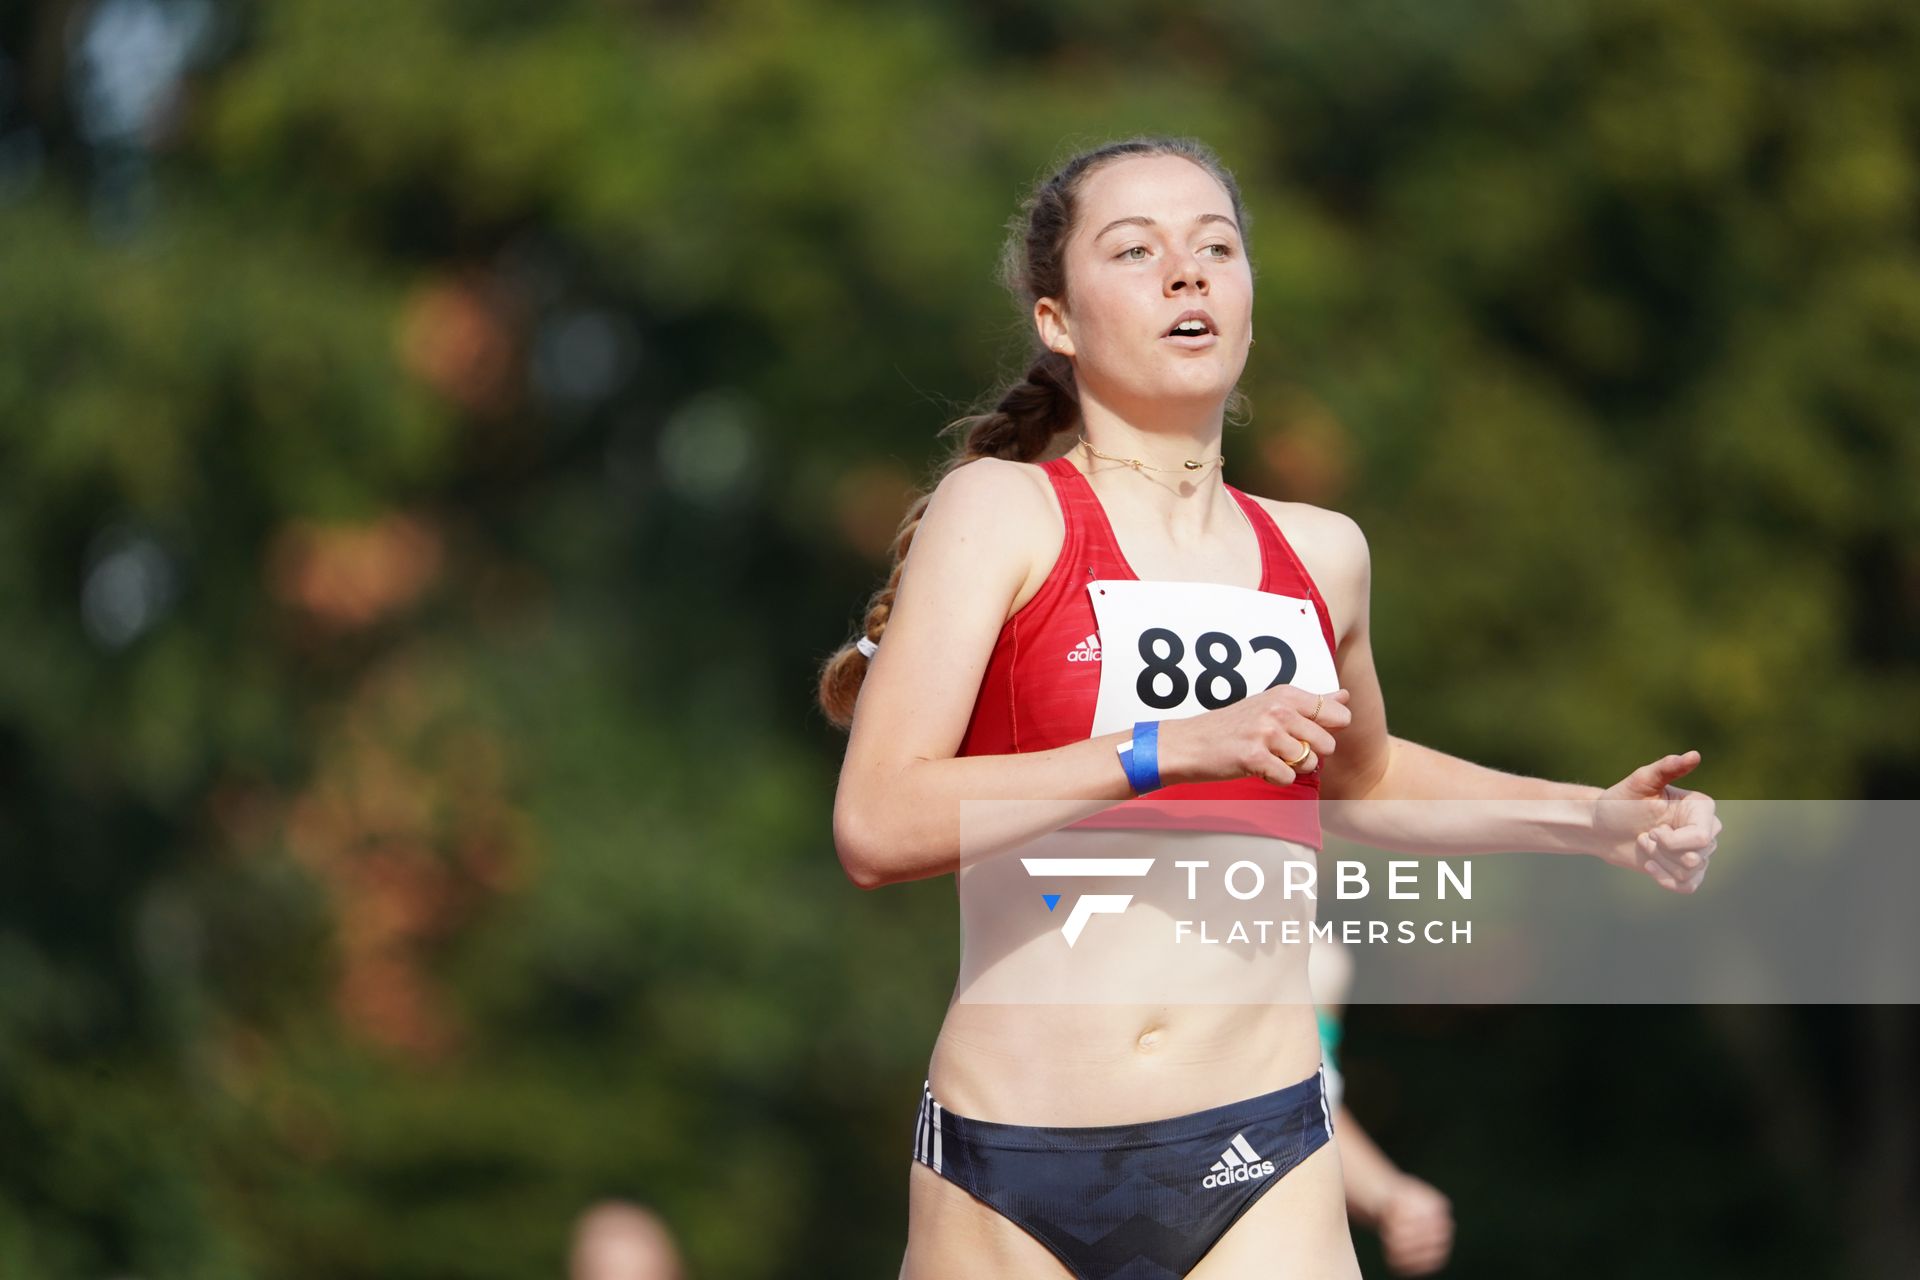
x: 1043, y: 678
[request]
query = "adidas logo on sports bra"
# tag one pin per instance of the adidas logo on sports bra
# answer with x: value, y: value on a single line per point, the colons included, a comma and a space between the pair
x: 1087, y: 650
x: 1238, y: 1163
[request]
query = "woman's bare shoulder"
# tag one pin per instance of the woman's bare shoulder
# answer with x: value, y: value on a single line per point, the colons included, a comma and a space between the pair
x: 1334, y: 549
x: 1008, y: 501
x: 1333, y: 537
x: 1007, y: 510
x: 989, y: 482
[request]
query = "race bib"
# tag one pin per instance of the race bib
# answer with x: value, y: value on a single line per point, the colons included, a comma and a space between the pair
x: 1175, y: 649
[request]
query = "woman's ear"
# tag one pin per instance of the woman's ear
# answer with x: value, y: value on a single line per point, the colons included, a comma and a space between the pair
x: 1052, y: 324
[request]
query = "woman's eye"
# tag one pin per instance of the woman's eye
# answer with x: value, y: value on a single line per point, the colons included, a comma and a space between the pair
x: 1226, y: 251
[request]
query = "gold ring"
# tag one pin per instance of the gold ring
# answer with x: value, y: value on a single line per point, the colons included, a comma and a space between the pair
x: 1318, y: 700
x: 1305, y: 751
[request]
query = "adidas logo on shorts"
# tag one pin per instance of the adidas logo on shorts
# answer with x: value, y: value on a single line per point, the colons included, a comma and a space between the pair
x: 1238, y: 1163
x: 1087, y: 650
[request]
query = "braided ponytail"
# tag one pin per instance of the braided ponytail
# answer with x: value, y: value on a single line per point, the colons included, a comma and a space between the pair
x: 1019, y: 427
x: 1030, y: 413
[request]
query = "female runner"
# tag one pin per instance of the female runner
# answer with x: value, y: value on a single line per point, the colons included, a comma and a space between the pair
x: 1157, y: 1139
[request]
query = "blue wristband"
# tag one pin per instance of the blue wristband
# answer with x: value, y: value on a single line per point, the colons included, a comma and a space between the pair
x: 1141, y: 757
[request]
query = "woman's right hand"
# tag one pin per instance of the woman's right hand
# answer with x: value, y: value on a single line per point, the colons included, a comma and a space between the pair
x: 1416, y: 1228
x: 1253, y: 738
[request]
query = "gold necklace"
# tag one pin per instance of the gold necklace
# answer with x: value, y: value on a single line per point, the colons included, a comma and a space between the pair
x: 1191, y: 464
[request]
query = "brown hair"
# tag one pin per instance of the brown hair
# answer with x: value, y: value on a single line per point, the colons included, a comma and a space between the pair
x: 1027, y: 415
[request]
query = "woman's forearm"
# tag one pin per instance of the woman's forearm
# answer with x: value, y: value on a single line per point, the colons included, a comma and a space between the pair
x: 1425, y: 801
x: 914, y: 824
x: 929, y: 817
x: 1368, y: 1173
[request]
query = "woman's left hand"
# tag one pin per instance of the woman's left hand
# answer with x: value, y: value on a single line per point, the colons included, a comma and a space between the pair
x: 1644, y: 823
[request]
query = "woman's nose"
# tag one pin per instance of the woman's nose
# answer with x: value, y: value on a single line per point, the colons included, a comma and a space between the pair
x: 1188, y: 278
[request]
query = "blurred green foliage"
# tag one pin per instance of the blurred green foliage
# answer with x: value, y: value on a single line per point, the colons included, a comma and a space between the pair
x: 438, y: 446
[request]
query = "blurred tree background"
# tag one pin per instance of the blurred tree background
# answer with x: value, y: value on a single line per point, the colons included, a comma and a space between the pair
x: 439, y: 441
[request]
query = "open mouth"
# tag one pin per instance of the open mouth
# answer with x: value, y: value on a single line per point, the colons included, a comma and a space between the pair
x: 1191, y: 326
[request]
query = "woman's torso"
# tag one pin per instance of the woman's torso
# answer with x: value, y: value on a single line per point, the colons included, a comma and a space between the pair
x: 1231, y: 1021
